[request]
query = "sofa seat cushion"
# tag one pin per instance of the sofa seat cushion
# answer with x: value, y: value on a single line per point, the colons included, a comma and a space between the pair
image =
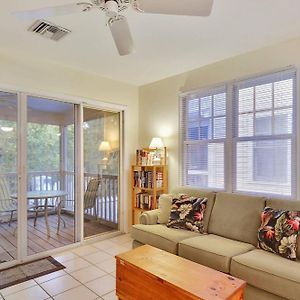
x: 252, y: 293
x: 269, y: 272
x: 212, y: 251
x: 160, y: 236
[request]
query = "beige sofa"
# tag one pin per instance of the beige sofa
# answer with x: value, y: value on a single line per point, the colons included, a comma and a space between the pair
x: 232, y: 222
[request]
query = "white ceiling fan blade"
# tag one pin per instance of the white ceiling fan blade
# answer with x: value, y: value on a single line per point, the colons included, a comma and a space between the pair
x: 121, y: 33
x: 175, y: 7
x: 51, y: 11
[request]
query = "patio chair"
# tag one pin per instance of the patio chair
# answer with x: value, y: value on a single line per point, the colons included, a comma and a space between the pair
x: 90, y: 195
x: 7, y: 204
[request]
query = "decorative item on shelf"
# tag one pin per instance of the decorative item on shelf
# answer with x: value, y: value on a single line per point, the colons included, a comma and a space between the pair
x: 155, y: 155
x: 157, y: 144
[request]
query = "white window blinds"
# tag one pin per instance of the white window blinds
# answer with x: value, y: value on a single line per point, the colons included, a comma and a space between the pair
x: 264, y: 134
x: 203, y: 133
x: 253, y: 127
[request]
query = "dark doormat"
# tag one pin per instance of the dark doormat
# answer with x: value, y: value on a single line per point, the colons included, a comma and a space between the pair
x: 27, y: 271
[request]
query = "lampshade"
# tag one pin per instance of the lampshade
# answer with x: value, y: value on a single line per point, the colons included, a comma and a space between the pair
x: 104, y: 146
x: 156, y: 142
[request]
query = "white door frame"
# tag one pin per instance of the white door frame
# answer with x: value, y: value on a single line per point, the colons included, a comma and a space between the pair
x: 22, y: 177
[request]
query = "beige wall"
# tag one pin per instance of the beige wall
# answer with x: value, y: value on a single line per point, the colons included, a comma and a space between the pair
x: 159, y: 103
x: 51, y: 79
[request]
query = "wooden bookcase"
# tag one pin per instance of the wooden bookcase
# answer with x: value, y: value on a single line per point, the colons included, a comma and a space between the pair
x: 148, y: 183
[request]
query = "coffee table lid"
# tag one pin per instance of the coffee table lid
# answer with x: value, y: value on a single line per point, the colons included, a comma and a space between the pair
x: 200, y: 281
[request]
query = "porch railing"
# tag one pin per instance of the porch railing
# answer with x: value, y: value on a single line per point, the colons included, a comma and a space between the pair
x: 107, y: 198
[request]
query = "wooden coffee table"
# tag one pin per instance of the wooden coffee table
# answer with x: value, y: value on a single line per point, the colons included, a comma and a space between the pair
x: 150, y: 273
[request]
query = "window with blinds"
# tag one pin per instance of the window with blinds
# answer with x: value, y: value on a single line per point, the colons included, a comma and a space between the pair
x: 260, y: 143
x: 203, y: 133
x: 264, y: 134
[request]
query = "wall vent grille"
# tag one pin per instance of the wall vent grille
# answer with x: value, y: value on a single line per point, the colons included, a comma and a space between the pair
x: 49, y: 30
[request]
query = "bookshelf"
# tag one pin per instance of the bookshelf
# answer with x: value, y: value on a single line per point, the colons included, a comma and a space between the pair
x: 149, y: 180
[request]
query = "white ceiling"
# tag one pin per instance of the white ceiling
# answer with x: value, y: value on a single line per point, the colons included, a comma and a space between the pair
x: 165, y: 45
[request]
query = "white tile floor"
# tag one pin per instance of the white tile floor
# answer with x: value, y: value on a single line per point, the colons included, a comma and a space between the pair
x: 89, y: 275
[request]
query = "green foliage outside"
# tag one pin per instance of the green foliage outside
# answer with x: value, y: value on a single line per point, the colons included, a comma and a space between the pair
x: 8, y: 148
x: 92, y: 137
x: 43, y: 148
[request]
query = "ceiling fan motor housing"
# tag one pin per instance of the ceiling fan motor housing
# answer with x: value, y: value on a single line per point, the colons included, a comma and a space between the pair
x: 111, y: 8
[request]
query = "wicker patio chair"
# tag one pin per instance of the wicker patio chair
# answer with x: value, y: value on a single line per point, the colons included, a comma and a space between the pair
x: 7, y: 204
x: 90, y: 195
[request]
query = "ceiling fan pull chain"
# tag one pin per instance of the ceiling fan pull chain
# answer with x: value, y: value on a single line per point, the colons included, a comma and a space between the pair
x: 135, y: 5
x: 85, y: 6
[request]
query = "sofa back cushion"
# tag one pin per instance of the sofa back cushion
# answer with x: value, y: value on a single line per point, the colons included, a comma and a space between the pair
x: 200, y: 193
x: 164, y: 208
x: 236, y: 217
x: 286, y: 205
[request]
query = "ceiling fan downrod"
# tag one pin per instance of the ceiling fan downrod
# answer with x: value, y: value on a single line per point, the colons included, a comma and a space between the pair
x: 111, y: 8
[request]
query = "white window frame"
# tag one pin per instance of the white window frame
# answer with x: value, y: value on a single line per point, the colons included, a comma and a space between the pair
x: 184, y: 98
x: 231, y: 139
x: 262, y: 79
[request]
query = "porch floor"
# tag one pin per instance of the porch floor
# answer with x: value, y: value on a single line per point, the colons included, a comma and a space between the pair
x: 38, y: 241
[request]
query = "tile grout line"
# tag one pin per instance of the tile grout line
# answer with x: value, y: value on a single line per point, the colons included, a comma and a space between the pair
x: 22, y: 289
x: 52, y: 296
x: 51, y: 278
x: 94, y: 264
x: 44, y: 290
x: 82, y: 284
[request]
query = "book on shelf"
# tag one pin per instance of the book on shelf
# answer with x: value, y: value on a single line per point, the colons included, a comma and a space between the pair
x: 150, y: 157
x: 143, y: 179
x: 144, y: 201
x: 159, y: 179
x: 144, y: 157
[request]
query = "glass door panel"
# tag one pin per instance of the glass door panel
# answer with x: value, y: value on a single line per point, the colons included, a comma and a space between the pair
x: 50, y: 174
x: 101, y: 147
x: 8, y: 176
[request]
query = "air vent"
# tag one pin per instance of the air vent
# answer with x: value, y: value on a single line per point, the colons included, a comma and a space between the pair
x: 48, y: 30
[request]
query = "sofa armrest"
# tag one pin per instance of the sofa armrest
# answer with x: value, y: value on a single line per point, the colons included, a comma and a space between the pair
x: 149, y: 217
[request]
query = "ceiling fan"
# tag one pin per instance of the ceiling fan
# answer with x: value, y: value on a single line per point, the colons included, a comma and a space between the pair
x: 117, y: 22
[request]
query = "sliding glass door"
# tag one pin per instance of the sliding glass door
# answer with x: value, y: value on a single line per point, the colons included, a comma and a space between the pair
x: 101, y: 148
x: 42, y: 184
x: 50, y: 174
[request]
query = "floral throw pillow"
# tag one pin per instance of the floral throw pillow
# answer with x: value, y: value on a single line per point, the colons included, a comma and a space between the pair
x: 279, y: 231
x: 187, y: 213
